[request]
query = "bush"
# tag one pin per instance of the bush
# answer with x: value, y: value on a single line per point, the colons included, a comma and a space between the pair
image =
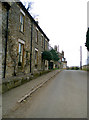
x: 74, y: 68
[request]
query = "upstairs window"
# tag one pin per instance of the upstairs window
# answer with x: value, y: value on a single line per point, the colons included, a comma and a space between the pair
x: 45, y: 44
x: 22, y: 15
x: 36, y: 36
x: 42, y: 40
x: 21, y: 22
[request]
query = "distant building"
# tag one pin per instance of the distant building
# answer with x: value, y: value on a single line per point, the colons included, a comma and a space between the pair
x: 62, y: 63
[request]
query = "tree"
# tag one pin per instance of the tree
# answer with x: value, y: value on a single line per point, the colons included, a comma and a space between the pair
x: 87, y: 40
x: 28, y: 6
x: 46, y: 55
x: 55, y: 56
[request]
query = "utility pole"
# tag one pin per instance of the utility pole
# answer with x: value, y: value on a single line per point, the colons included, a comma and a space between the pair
x: 81, y: 57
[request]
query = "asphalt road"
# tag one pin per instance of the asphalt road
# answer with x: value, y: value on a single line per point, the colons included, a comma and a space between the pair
x: 64, y: 96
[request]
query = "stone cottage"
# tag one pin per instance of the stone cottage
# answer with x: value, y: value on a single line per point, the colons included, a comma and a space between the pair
x: 62, y: 61
x: 23, y: 41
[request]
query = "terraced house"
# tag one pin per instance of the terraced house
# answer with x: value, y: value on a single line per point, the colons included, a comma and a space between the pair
x: 23, y: 41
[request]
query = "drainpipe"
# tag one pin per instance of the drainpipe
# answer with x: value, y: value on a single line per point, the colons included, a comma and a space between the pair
x: 8, y: 7
x: 31, y: 48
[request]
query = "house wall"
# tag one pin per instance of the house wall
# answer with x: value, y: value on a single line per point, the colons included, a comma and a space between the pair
x: 39, y: 48
x: 13, y: 40
x: 4, y: 18
x: 15, y: 36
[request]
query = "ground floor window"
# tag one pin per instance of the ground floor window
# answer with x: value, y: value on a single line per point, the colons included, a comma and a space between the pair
x: 20, y: 56
x: 36, y: 57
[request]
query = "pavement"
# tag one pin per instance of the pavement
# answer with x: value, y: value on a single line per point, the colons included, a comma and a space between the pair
x: 12, y: 98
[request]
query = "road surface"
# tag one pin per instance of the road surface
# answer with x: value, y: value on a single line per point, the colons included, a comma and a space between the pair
x: 64, y: 96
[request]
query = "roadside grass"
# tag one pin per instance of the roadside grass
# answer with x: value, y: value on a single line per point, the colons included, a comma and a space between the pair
x: 55, y: 69
x: 85, y: 69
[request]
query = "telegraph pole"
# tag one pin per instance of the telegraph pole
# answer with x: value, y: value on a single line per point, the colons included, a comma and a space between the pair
x: 81, y: 57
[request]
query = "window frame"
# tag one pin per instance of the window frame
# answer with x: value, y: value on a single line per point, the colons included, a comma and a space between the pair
x: 22, y: 20
x: 42, y: 40
x: 36, y: 56
x: 36, y: 39
x: 20, y: 52
x: 21, y: 23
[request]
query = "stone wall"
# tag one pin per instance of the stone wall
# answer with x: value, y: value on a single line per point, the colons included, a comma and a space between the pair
x: 4, y: 17
x: 15, y: 35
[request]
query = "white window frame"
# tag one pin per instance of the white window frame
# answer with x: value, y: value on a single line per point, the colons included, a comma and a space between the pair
x: 36, y: 57
x: 42, y: 40
x: 22, y: 14
x: 36, y: 39
x: 22, y: 43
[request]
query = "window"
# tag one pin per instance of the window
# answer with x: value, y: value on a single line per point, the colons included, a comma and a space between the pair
x: 45, y: 44
x: 42, y: 40
x: 36, y: 36
x: 20, y: 59
x: 21, y: 22
x: 36, y: 56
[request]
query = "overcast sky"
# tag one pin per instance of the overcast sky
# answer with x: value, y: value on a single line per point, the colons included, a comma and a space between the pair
x: 65, y: 24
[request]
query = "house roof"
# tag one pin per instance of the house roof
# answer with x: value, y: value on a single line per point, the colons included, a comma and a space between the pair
x: 32, y: 19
